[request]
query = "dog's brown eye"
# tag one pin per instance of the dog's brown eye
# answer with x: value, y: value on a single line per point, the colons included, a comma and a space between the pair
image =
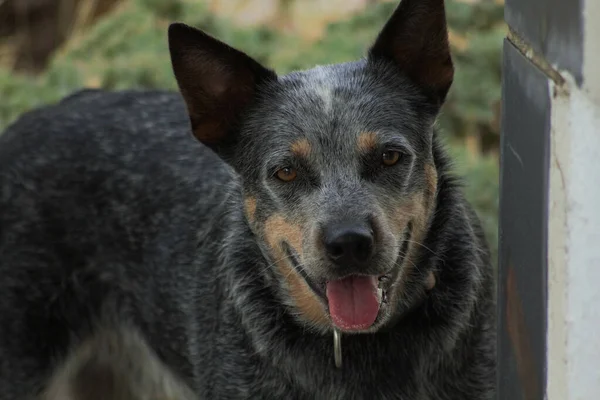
x: 286, y: 174
x: 390, y: 157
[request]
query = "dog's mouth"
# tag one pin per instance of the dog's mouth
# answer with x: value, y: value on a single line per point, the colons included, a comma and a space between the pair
x: 355, y: 302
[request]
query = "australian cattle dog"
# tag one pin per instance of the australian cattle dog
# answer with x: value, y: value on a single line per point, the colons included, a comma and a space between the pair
x: 252, y: 236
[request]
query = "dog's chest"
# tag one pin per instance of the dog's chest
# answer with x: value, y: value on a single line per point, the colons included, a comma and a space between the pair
x: 349, y: 390
x: 268, y: 382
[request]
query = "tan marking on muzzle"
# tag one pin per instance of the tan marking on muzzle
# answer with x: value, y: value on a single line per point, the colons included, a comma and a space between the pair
x: 416, y: 209
x: 431, y: 176
x: 301, y: 147
x: 411, y: 210
x: 367, y: 141
x: 278, y: 230
x: 250, y: 208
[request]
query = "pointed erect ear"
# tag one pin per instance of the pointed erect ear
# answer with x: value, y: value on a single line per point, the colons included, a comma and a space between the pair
x: 416, y: 39
x: 216, y: 81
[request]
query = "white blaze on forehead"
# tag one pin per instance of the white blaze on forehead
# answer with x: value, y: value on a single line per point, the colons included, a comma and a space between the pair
x: 320, y: 84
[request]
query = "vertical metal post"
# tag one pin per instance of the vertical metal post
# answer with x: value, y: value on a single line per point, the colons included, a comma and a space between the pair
x: 549, y: 207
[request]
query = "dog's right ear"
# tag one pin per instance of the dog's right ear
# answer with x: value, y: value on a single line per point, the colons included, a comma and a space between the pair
x: 216, y: 81
x: 415, y: 39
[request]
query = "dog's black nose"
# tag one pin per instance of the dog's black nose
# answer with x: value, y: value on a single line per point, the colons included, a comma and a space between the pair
x: 349, y: 245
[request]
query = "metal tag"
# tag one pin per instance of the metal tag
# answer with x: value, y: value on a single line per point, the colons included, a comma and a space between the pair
x: 337, y: 348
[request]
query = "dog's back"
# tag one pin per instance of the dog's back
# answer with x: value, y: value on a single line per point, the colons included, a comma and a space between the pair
x: 100, y: 199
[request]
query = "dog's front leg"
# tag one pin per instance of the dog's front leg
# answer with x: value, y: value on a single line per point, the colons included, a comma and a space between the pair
x: 115, y: 364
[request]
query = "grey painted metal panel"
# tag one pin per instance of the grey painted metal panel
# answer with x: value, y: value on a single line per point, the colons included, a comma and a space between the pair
x: 553, y: 28
x: 523, y: 229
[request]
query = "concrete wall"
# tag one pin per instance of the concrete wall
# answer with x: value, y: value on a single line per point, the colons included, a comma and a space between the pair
x: 574, y: 240
x: 549, y: 298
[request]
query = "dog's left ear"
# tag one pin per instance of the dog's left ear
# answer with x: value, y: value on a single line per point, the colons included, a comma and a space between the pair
x: 217, y: 83
x: 415, y: 38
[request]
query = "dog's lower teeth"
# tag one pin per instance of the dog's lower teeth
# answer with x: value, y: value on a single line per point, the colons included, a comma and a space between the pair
x: 380, y: 295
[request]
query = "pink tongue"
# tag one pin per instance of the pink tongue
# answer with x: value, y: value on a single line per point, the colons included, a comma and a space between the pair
x: 353, y: 302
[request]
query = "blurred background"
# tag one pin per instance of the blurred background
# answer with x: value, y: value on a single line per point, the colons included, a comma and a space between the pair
x: 49, y: 48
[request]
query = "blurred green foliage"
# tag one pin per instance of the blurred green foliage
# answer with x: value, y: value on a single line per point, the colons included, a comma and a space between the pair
x: 128, y: 49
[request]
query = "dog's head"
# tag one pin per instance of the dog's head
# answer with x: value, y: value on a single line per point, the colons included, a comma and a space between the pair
x: 336, y: 162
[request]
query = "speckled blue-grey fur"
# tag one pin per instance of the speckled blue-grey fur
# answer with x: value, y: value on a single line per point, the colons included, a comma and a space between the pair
x: 114, y: 218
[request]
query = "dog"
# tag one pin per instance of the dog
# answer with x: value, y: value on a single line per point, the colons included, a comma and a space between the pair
x: 252, y: 236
